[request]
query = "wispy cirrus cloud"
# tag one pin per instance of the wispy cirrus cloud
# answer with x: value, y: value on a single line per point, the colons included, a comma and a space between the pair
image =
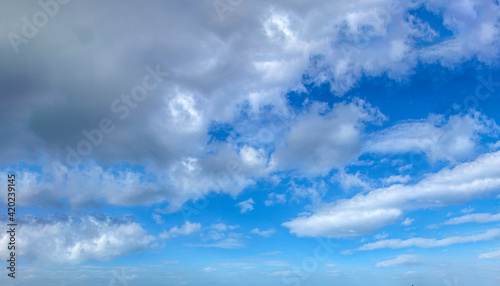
x: 263, y: 233
x: 403, y: 260
x: 489, y: 235
x: 468, y: 218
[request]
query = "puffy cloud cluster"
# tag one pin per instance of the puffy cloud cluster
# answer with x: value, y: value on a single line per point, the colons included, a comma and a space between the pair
x: 322, y: 139
x: 66, y: 239
x: 452, y: 139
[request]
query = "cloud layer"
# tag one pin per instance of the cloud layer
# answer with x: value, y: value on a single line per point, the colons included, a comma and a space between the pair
x: 74, y: 74
x: 366, y: 213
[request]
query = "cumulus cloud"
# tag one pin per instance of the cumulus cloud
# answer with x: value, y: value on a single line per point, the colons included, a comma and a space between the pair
x: 343, y: 224
x: 366, y: 213
x: 350, y: 181
x: 452, y: 139
x: 66, y: 239
x: 468, y: 20
x: 396, y: 179
x: 246, y: 206
x: 126, y: 185
x: 186, y: 229
x: 404, y: 260
x: 317, y: 143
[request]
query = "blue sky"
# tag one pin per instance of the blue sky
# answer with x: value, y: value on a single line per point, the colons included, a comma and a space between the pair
x: 252, y: 142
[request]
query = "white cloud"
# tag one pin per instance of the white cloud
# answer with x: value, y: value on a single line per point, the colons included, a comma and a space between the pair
x: 401, y: 261
x: 396, y: 179
x: 343, y: 224
x: 158, y: 219
x: 467, y: 210
x: 223, y: 227
x: 246, y: 206
x: 408, y: 221
x: 494, y: 146
x: 221, y: 236
x: 253, y: 157
x: 264, y: 233
x: 405, y: 168
x: 477, y: 218
x: 366, y: 213
x: 490, y: 255
x: 350, y: 181
x: 468, y: 20
x: 492, y: 234
x: 314, y: 191
x: 381, y: 235
x: 209, y: 269
x: 317, y: 143
x: 65, y: 239
x: 452, y: 139
x: 186, y: 229
x: 117, y: 185
x: 274, y: 198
